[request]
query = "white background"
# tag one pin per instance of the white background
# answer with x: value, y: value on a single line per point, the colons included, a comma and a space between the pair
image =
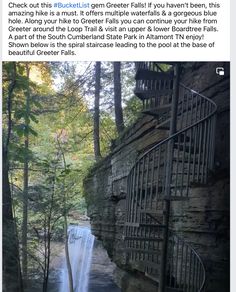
x: 220, y: 52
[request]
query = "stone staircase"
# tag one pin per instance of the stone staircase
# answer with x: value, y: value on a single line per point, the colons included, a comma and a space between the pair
x: 164, y: 174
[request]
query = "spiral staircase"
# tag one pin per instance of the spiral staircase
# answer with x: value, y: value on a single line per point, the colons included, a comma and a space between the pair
x: 165, y: 173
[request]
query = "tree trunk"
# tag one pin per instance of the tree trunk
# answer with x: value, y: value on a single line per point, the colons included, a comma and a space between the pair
x: 68, y: 264
x: 12, y: 281
x: 47, y: 262
x: 96, y: 135
x: 26, y: 182
x: 45, y: 254
x: 47, y: 239
x: 117, y: 98
x: 11, y: 263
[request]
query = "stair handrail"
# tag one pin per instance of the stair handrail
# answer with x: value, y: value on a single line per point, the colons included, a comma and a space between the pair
x: 188, y: 246
x: 184, y: 129
x: 132, y: 176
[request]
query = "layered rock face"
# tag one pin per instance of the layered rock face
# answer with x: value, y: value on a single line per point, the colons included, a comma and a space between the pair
x: 203, y: 220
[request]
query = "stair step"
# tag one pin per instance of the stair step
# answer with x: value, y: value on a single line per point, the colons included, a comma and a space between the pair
x: 158, y: 110
x: 152, y: 211
x: 181, y: 160
x: 191, y: 104
x: 150, y: 93
x: 161, y: 189
x: 185, y: 173
x: 186, y: 148
x: 145, y: 74
x: 180, y: 186
x: 160, y: 194
x: 144, y: 264
x: 177, y: 198
x: 139, y: 238
x: 132, y: 224
x: 165, y: 125
x: 154, y: 277
x: 181, y: 137
x: 137, y: 225
x: 152, y: 225
x: 175, y: 160
x: 145, y: 251
x: 154, y: 215
x: 169, y: 289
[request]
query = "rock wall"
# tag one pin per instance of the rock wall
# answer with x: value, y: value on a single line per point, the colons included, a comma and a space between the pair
x: 102, y: 271
x: 203, y: 220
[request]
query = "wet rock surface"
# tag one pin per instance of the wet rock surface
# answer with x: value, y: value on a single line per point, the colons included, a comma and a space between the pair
x: 101, y: 272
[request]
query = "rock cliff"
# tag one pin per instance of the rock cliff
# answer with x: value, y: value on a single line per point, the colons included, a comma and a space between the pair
x: 203, y: 220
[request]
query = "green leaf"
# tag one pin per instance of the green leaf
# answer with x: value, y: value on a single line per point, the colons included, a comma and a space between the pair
x: 20, y: 129
x: 33, y: 132
x: 37, y: 103
x: 19, y: 114
x: 33, y: 118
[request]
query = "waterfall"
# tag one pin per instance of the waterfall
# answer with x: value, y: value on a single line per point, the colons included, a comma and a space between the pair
x: 80, y: 249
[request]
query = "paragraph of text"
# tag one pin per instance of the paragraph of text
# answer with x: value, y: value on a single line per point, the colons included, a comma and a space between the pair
x: 76, y: 29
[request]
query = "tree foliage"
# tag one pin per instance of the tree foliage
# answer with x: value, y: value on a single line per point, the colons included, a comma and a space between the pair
x: 48, y: 148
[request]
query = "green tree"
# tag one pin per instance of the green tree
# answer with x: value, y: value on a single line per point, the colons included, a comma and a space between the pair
x: 26, y: 174
x: 42, y: 178
x: 96, y: 118
x: 12, y: 280
x: 117, y: 98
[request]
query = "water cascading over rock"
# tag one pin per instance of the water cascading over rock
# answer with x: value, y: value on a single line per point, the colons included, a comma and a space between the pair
x: 80, y: 249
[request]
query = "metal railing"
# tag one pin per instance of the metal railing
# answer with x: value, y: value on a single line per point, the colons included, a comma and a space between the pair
x: 157, y: 87
x: 185, y: 269
x: 166, y: 172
